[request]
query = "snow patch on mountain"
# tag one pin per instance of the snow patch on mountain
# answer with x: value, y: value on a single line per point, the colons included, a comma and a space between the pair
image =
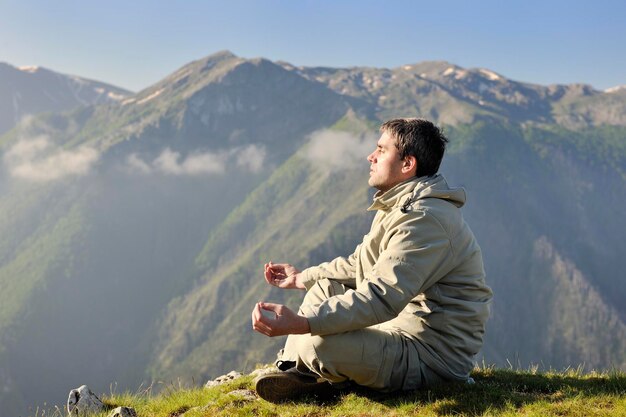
x: 490, y: 74
x: 615, y: 89
x: 457, y: 73
x: 115, y: 96
x: 128, y: 101
x: 29, y: 68
x: 448, y: 71
x: 150, y: 97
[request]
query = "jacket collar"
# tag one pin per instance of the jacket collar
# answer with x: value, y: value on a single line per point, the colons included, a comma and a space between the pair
x: 415, y: 189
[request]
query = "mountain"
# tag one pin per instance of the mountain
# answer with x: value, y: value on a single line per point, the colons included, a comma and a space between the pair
x: 451, y: 94
x: 134, y: 231
x: 111, y: 242
x: 27, y: 91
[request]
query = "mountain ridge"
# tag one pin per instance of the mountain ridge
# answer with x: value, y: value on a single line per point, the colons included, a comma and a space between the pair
x: 483, y: 90
x: 27, y: 91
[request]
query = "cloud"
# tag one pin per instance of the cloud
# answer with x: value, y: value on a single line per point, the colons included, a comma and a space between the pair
x: 194, y: 164
x: 339, y: 150
x: 27, y: 149
x: 250, y: 158
x: 136, y: 164
x: 37, y: 160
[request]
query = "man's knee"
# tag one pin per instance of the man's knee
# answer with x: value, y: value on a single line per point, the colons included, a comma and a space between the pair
x: 311, y: 347
x: 330, y: 350
x: 340, y: 357
x: 321, y: 355
x: 328, y: 347
x: 317, y: 350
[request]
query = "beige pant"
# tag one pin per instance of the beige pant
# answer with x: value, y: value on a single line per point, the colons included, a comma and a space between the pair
x: 374, y: 357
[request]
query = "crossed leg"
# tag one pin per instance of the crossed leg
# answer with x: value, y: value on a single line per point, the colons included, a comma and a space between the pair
x: 374, y: 357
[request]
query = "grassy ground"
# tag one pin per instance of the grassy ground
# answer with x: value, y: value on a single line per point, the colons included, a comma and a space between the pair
x: 496, y: 393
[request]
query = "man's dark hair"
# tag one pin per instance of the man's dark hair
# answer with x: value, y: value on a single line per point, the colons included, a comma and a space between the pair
x: 419, y: 138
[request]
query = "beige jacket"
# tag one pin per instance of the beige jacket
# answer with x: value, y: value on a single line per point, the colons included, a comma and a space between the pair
x: 419, y: 271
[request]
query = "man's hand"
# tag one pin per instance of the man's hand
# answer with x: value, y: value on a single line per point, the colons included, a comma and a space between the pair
x: 283, y: 276
x: 284, y: 321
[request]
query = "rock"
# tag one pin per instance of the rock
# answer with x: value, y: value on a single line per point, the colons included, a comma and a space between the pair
x: 244, y: 394
x: 232, y: 375
x: 123, y: 412
x: 82, y: 401
x: 263, y: 371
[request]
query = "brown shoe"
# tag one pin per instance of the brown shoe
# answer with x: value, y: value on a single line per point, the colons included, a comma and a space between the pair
x: 282, y: 386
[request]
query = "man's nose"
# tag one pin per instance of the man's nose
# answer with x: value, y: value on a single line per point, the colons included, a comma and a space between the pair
x: 370, y: 157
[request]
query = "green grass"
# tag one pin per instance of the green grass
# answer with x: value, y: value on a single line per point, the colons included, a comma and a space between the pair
x: 497, y: 392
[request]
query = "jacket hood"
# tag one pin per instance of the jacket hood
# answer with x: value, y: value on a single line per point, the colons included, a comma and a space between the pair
x: 416, y: 189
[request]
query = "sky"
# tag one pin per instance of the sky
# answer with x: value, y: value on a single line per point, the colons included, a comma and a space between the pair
x: 133, y: 44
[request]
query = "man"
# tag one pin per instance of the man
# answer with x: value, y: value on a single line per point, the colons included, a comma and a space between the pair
x: 408, y: 307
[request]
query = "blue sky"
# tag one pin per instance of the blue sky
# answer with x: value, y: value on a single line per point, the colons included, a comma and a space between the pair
x: 135, y: 43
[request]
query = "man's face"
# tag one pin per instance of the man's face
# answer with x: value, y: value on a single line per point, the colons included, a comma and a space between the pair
x: 386, y: 165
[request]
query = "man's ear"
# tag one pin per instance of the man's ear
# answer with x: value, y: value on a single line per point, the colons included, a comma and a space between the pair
x: 409, y: 163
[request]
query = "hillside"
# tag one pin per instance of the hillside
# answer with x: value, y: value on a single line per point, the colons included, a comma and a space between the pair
x: 134, y: 231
